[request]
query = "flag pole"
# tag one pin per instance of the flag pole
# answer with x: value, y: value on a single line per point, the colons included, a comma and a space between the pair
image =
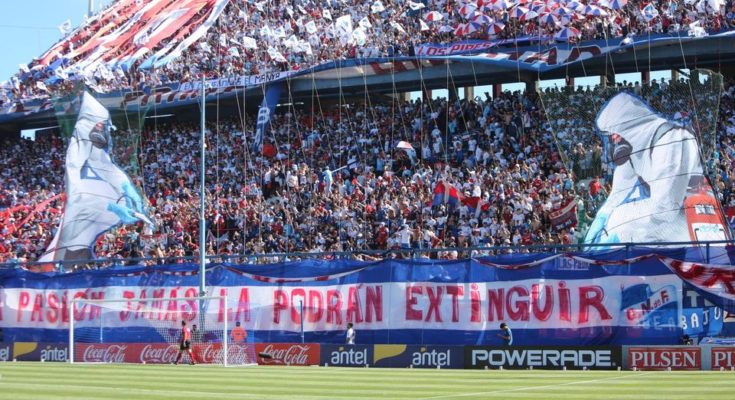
x: 202, y: 202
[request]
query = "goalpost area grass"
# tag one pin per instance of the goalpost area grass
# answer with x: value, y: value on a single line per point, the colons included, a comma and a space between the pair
x: 35, y: 380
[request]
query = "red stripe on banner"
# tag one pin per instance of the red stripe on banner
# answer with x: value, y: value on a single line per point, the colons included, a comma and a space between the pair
x: 713, y: 278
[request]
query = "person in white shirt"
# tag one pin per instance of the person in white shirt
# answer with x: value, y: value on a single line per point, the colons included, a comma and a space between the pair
x: 350, y: 335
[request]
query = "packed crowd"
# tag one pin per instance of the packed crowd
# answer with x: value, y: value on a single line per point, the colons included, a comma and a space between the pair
x: 258, y: 37
x: 333, y: 180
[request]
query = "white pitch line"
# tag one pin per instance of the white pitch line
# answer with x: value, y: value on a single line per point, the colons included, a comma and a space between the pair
x: 450, y: 396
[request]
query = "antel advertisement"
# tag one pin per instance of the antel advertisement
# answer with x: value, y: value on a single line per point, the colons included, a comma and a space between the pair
x: 347, y: 355
x: 5, y: 354
x: 37, y: 351
x: 542, y: 357
x: 416, y: 356
x: 662, y: 358
x: 289, y: 353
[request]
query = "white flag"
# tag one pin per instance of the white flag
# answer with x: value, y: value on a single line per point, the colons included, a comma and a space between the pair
x: 98, y: 193
x: 423, y: 25
x: 249, y: 43
x: 65, y: 27
x: 41, y: 86
x: 359, y: 37
x: 276, y: 55
x: 304, y: 47
x: 233, y: 51
x: 397, y: 27
x: 266, y: 31
x: 343, y: 25
x: 292, y: 42
x: 377, y: 7
x: 311, y: 27
x: 415, y: 6
x: 24, y: 68
x: 327, y: 15
x: 365, y: 23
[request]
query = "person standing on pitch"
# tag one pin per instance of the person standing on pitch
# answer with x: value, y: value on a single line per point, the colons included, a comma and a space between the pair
x: 238, y: 334
x: 350, y: 335
x: 185, y: 344
x: 196, y: 335
x: 506, y: 334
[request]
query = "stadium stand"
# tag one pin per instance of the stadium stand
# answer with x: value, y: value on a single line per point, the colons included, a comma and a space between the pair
x: 499, y: 153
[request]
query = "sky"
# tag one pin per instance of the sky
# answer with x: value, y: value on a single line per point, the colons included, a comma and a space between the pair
x: 29, y: 27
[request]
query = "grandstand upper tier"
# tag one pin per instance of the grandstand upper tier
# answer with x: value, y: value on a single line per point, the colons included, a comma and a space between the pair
x: 349, y: 45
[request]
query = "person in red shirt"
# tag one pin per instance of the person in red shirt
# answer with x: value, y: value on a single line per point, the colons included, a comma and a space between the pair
x: 595, y: 186
x: 185, y: 344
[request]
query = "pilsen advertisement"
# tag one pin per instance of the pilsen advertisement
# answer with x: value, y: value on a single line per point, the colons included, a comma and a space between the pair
x: 593, y: 299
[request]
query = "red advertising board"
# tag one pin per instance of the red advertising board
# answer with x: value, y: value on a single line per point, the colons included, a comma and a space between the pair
x: 661, y: 358
x: 289, y: 353
x: 722, y: 357
x: 157, y: 353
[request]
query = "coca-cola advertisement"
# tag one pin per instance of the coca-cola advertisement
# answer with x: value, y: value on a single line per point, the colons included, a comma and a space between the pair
x: 289, y: 353
x: 162, y: 353
x: 237, y: 354
x: 103, y: 353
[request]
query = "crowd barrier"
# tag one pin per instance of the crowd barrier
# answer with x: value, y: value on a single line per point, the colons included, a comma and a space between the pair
x: 662, y: 358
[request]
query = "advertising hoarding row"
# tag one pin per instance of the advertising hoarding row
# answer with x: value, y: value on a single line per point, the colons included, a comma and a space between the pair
x: 689, y: 358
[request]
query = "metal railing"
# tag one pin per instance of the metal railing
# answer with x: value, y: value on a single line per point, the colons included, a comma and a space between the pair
x: 368, y: 255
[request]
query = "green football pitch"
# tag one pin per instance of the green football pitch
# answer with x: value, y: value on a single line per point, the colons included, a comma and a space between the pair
x: 107, y: 381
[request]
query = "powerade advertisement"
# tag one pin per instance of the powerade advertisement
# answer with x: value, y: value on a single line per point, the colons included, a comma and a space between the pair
x: 589, y: 299
x: 512, y: 357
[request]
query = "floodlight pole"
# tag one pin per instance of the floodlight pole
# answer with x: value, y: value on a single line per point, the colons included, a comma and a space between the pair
x: 202, y: 202
x: 90, y: 12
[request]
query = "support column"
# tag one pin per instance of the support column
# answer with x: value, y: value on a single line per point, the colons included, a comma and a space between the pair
x: 404, y: 97
x: 469, y: 92
x: 453, y: 95
x: 426, y: 95
x: 532, y: 86
x: 569, y: 81
x: 609, y: 79
x: 497, y: 90
x: 645, y: 77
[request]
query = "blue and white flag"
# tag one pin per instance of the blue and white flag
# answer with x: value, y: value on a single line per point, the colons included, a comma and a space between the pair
x: 649, y: 12
x: 99, y: 195
x: 267, y: 107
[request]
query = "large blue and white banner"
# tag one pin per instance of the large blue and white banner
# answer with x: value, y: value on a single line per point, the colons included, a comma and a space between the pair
x: 266, y: 110
x: 99, y: 195
x: 548, y: 299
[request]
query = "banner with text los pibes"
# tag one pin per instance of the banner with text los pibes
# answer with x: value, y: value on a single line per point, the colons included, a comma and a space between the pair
x: 581, y: 299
